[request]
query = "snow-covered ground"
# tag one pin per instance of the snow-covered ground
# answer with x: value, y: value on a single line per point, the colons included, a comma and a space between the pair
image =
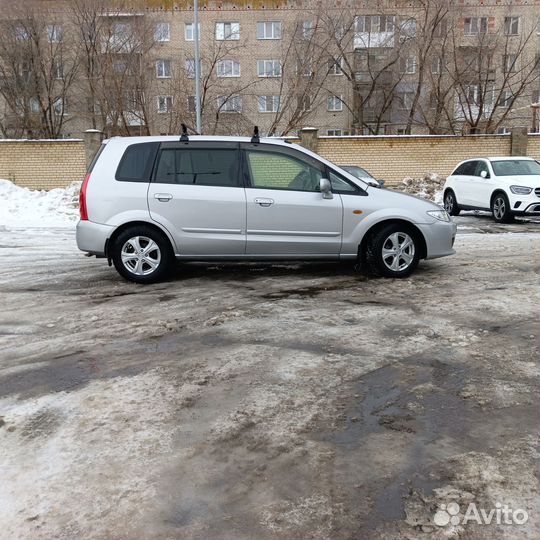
x: 250, y: 401
x: 23, y: 207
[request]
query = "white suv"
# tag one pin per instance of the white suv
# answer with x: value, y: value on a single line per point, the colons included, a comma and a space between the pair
x: 147, y: 201
x: 508, y: 186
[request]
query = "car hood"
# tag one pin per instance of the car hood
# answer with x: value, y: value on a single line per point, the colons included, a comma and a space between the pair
x: 398, y: 198
x: 528, y: 180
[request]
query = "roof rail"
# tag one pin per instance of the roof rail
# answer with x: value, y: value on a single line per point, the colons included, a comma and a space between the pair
x: 184, y: 137
x: 255, y: 139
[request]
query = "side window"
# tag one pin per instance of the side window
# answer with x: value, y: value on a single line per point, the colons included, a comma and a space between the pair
x: 136, y: 163
x: 270, y: 170
x: 339, y: 185
x: 466, y: 169
x: 198, y: 166
x: 481, y: 166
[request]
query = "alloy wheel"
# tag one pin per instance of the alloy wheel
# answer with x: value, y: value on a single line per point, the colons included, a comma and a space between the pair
x: 141, y: 255
x: 398, y: 251
x: 499, y: 208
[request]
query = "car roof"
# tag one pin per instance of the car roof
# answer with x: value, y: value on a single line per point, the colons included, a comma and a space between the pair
x: 513, y: 158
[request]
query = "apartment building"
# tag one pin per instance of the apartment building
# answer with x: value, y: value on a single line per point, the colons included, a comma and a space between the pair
x: 371, y: 67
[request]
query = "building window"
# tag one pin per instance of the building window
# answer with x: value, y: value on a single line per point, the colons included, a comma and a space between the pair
x: 191, y: 104
x: 405, y: 100
x: 511, y: 26
x: 335, y: 66
x: 34, y: 105
x: 228, y: 68
x: 269, y: 68
x: 190, y: 68
x: 334, y: 132
x: 509, y: 63
x: 164, y: 104
x: 506, y: 99
x: 307, y: 30
x: 20, y: 33
x: 408, y: 29
x: 268, y: 103
x: 230, y: 103
x: 60, y: 107
x: 335, y: 103
x: 441, y: 29
x: 58, y: 70
x: 163, y: 69
x: 436, y: 66
x: 374, y: 24
x: 408, y: 65
x: 475, y: 25
x: 228, y: 31
x: 304, y: 68
x: 304, y: 103
x: 189, y: 31
x: 162, y: 32
x: 503, y: 131
x: 54, y: 33
x: 269, y: 30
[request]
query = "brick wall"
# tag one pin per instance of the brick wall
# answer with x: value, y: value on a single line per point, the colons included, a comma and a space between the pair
x: 49, y: 164
x: 42, y: 164
x: 394, y: 158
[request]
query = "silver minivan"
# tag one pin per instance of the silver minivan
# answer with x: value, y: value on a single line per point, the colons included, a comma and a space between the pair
x: 147, y: 201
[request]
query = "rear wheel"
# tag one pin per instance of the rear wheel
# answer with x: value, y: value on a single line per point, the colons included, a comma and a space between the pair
x: 142, y: 254
x: 394, y: 252
x: 500, y: 207
x: 450, y: 203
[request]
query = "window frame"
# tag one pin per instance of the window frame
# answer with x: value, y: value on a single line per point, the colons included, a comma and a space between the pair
x: 273, y: 36
x: 334, y: 97
x: 150, y: 164
x: 159, y: 36
x: 202, y: 145
x: 163, y: 62
x: 192, y: 26
x: 264, y: 71
x: 232, y: 36
x: 509, y: 22
x: 233, y: 63
x: 167, y: 98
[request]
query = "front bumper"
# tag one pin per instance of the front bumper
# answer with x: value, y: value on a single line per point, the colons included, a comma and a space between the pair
x: 440, y: 237
x: 524, y: 204
x: 92, y: 237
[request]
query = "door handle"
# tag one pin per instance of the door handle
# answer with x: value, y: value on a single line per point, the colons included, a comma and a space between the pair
x: 163, y: 197
x: 261, y: 201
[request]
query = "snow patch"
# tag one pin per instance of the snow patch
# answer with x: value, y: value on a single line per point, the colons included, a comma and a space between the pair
x: 23, y: 207
x: 429, y: 187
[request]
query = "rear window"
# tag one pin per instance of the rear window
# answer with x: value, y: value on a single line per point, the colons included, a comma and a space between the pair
x: 137, y: 162
x: 198, y: 166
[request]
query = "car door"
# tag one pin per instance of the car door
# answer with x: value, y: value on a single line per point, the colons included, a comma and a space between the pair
x: 287, y: 215
x: 465, y: 176
x: 198, y: 195
x: 481, y: 185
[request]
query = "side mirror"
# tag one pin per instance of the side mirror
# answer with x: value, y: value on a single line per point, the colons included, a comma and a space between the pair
x: 326, y: 188
x: 484, y: 174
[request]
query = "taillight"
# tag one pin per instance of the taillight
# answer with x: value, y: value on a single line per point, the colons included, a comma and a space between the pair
x: 82, y: 199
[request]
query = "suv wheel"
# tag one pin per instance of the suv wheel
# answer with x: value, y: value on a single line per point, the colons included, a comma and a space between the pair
x: 450, y: 203
x: 500, y: 207
x: 142, y: 254
x: 393, y: 252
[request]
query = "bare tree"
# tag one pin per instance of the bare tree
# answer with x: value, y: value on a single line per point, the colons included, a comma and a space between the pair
x: 38, y: 68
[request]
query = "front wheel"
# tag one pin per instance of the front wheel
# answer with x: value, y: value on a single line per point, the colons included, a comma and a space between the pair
x: 142, y: 254
x: 393, y: 252
x: 450, y: 203
x: 500, y: 207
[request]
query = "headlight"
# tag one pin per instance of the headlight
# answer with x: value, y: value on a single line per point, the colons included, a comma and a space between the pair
x: 441, y: 215
x: 521, y: 190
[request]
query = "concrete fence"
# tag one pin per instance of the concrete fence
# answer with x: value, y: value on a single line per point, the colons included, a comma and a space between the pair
x: 40, y: 164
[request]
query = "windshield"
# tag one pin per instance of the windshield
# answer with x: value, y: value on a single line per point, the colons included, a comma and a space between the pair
x: 516, y: 167
x: 357, y: 171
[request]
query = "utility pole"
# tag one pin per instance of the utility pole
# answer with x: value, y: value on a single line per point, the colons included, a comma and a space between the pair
x: 197, y: 66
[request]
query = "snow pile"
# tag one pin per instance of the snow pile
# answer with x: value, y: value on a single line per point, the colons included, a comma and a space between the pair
x: 23, y: 207
x: 428, y: 187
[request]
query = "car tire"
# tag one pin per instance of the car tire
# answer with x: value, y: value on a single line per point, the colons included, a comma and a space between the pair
x: 142, y: 254
x: 450, y: 203
x: 393, y: 251
x: 500, y: 208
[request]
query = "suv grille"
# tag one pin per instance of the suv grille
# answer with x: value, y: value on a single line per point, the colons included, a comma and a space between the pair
x: 537, y: 191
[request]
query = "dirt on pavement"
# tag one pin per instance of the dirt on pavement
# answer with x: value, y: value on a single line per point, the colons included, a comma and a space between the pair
x: 253, y: 402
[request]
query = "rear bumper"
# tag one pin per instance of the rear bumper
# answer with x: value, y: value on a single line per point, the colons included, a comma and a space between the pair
x: 92, y: 237
x: 440, y: 237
